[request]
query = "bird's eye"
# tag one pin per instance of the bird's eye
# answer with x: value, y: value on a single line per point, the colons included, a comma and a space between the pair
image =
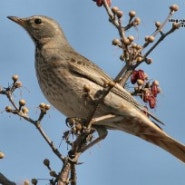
x: 38, y: 21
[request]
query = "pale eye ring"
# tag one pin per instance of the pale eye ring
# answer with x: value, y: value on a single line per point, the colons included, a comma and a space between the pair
x: 38, y: 21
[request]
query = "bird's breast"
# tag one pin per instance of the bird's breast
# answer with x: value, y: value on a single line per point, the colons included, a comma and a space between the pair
x: 62, y: 89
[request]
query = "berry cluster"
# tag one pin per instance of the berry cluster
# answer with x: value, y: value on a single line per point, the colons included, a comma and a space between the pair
x: 146, y: 90
x: 137, y: 76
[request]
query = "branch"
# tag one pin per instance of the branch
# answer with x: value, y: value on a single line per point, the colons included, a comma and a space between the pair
x: 132, y: 53
x: 22, y: 111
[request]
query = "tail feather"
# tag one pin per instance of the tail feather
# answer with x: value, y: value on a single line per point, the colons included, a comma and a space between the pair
x: 144, y: 128
x: 169, y: 144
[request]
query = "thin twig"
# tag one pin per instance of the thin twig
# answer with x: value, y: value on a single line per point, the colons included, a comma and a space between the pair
x: 164, y: 23
x: 158, y: 41
x: 16, y: 110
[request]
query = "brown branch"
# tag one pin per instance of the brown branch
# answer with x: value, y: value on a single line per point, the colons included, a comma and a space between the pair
x: 17, y: 110
x: 63, y: 176
x: 164, y: 23
x: 131, y: 57
x: 42, y: 132
x: 73, y: 174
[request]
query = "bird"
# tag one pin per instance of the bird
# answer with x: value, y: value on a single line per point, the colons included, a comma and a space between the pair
x: 72, y: 84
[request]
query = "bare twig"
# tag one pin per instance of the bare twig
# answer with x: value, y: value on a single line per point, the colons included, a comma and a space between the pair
x: 159, y: 40
x: 131, y: 56
x: 8, y: 92
x: 159, y: 29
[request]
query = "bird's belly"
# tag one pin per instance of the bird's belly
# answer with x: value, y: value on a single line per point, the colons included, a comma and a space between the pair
x: 68, y: 97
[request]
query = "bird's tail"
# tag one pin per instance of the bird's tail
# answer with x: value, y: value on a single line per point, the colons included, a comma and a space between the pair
x: 149, y: 131
x: 141, y: 126
x: 167, y: 143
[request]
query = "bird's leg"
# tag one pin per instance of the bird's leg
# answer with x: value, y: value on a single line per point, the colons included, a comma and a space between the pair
x: 83, y: 133
x: 102, y: 133
x: 101, y: 130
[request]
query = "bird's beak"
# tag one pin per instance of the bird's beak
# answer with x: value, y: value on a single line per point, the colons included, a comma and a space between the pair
x: 18, y: 20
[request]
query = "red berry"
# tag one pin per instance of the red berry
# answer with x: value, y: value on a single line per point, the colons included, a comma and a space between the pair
x: 146, y: 97
x: 154, y: 90
x: 152, y: 102
x: 134, y: 77
x: 99, y: 2
x: 141, y: 75
x: 150, y: 98
x: 138, y: 75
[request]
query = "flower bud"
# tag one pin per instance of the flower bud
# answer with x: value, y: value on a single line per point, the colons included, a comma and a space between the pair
x: 22, y: 102
x: 174, y: 7
x: 47, y: 107
x: 18, y: 84
x: 25, y: 110
x: 8, y: 109
x: 26, y: 182
x: 53, y: 173
x: 131, y: 38
x: 157, y: 24
x: 46, y: 162
x: 119, y: 13
x: 114, y: 9
x: 148, y: 60
x: 175, y: 26
x: 132, y: 13
x: 15, y: 78
x: 34, y: 181
x: 42, y: 105
x: 2, y: 155
x: 136, y: 21
x: 116, y: 42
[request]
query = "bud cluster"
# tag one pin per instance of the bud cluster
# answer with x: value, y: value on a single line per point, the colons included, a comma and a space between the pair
x: 16, y: 82
x: 43, y: 110
x: 21, y: 109
x: 117, y: 12
x: 44, y: 107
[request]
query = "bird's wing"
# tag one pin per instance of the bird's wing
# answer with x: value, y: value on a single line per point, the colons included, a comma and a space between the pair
x: 97, y: 75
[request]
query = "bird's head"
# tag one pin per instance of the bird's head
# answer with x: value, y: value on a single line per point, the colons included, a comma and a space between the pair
x: 39, y: 27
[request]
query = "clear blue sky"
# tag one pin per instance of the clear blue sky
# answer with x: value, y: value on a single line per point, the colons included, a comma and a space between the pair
x: 121, y: 158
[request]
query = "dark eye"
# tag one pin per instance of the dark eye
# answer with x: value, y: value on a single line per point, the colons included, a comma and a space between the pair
x: 38, y: 21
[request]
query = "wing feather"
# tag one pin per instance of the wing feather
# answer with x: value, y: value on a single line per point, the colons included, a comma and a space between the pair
x: 95, y: 74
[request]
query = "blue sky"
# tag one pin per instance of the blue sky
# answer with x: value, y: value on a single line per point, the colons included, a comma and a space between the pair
x: 120, y: 158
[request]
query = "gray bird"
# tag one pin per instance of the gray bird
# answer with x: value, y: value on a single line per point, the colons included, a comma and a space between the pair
x: 65, y: 76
